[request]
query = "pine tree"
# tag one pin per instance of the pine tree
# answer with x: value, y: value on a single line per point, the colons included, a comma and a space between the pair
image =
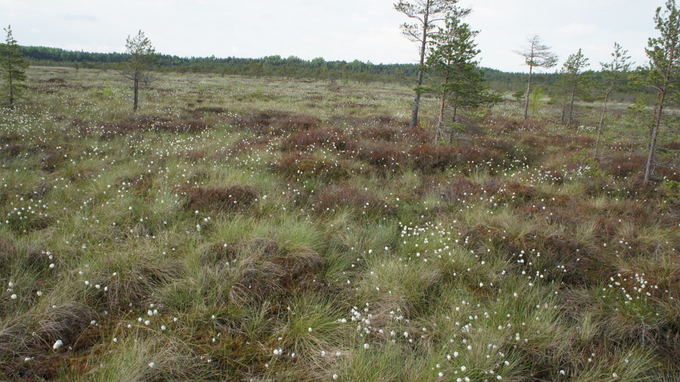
x: 614, y: 75
x: 453, y: 59
x: 537, y: 55
x: 572, y: 73
x: 427, y: 14
x: 664, y: 71
x: 13, y: 67
x: 142, y: 56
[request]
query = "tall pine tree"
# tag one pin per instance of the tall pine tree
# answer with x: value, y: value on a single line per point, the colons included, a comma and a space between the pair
x: 614, y: 73
x: 664, y: 71
x: 453, y: 59
x: 536, y: 55
x: 13, y: 68
x: 572, y: 76
x: 426, y: 15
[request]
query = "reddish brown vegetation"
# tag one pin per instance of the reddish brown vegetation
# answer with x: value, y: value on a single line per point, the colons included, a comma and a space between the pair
x: 667, y: 173
x: 505, y: 125
x: 218, y: 255
x: 335, y: 197
x: 233, y: 198
x: 433, y: 158
x: 298, y: 165
x: 506, y: 150
x: 317, y: 138
x: 672, y: 145
x: 269, y: 271
x: 247, y: 144
x: 52, y: 157
x: 195, y: 155
x: 384, y: 155
x: 67, y: 323
x: 623, y: 164
x: 417, y: 135
x: 7, y: 255
x: 154, y: 123
x: 210, y: 109
x: 518, y: 192
x: 460, y: 188
x: 375, y: 121
x: 277, y: 122
x: 404, y: 135
x: 383, y: 133
x: 569, y: 142
x: 554, y: 142
x: 558, y: 256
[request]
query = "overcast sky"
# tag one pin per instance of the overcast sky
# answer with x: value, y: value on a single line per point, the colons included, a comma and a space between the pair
x: 366, y: 30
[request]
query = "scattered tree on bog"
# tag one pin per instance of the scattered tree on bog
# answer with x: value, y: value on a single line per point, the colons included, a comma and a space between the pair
x: 664, y: 71
x: 13, y: 68
x: 572, y: 74
x: 453, y: 59
x: 614, y: 73
x: 142, y: 56
x: 536, y: 55
x: 426, y: 16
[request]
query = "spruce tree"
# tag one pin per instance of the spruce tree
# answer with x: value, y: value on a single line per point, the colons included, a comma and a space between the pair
x: 13, y: 67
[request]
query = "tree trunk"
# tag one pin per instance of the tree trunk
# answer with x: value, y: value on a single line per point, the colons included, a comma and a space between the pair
x: 526, y: 100
x: 423, y: 48
x: 571, y: 106
x: 10, y: 83
x: 454, y: 119
x: 649, y: 168
x: 654, y: 134
x: 136, y: 96
x: 600, y: 125
x: 440, y: 122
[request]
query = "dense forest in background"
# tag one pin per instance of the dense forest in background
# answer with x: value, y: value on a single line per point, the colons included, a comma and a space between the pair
x: 295, y: 67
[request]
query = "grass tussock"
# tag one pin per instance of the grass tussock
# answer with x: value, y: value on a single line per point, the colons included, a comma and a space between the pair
x: 227, y: 199
x: 336, y: 198
x: 298, y: 165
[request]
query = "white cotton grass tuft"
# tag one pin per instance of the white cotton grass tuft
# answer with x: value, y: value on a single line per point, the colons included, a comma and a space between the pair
x: 58, y: 344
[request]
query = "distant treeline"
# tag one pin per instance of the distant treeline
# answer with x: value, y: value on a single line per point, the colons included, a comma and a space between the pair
x: 278, y: 66
x: 267, y: 66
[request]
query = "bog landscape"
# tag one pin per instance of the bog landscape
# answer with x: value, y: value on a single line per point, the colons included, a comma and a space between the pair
x: 176, y: 219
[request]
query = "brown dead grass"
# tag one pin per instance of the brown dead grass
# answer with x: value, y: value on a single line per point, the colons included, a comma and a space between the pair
x: 269, y: 272
x: 137, y: 123
x: 623, y: 164
x: 277, y: 122
x: 317, y: 138
x: 333, y: 198
x: 298, y: 165
x: 226, y: 199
